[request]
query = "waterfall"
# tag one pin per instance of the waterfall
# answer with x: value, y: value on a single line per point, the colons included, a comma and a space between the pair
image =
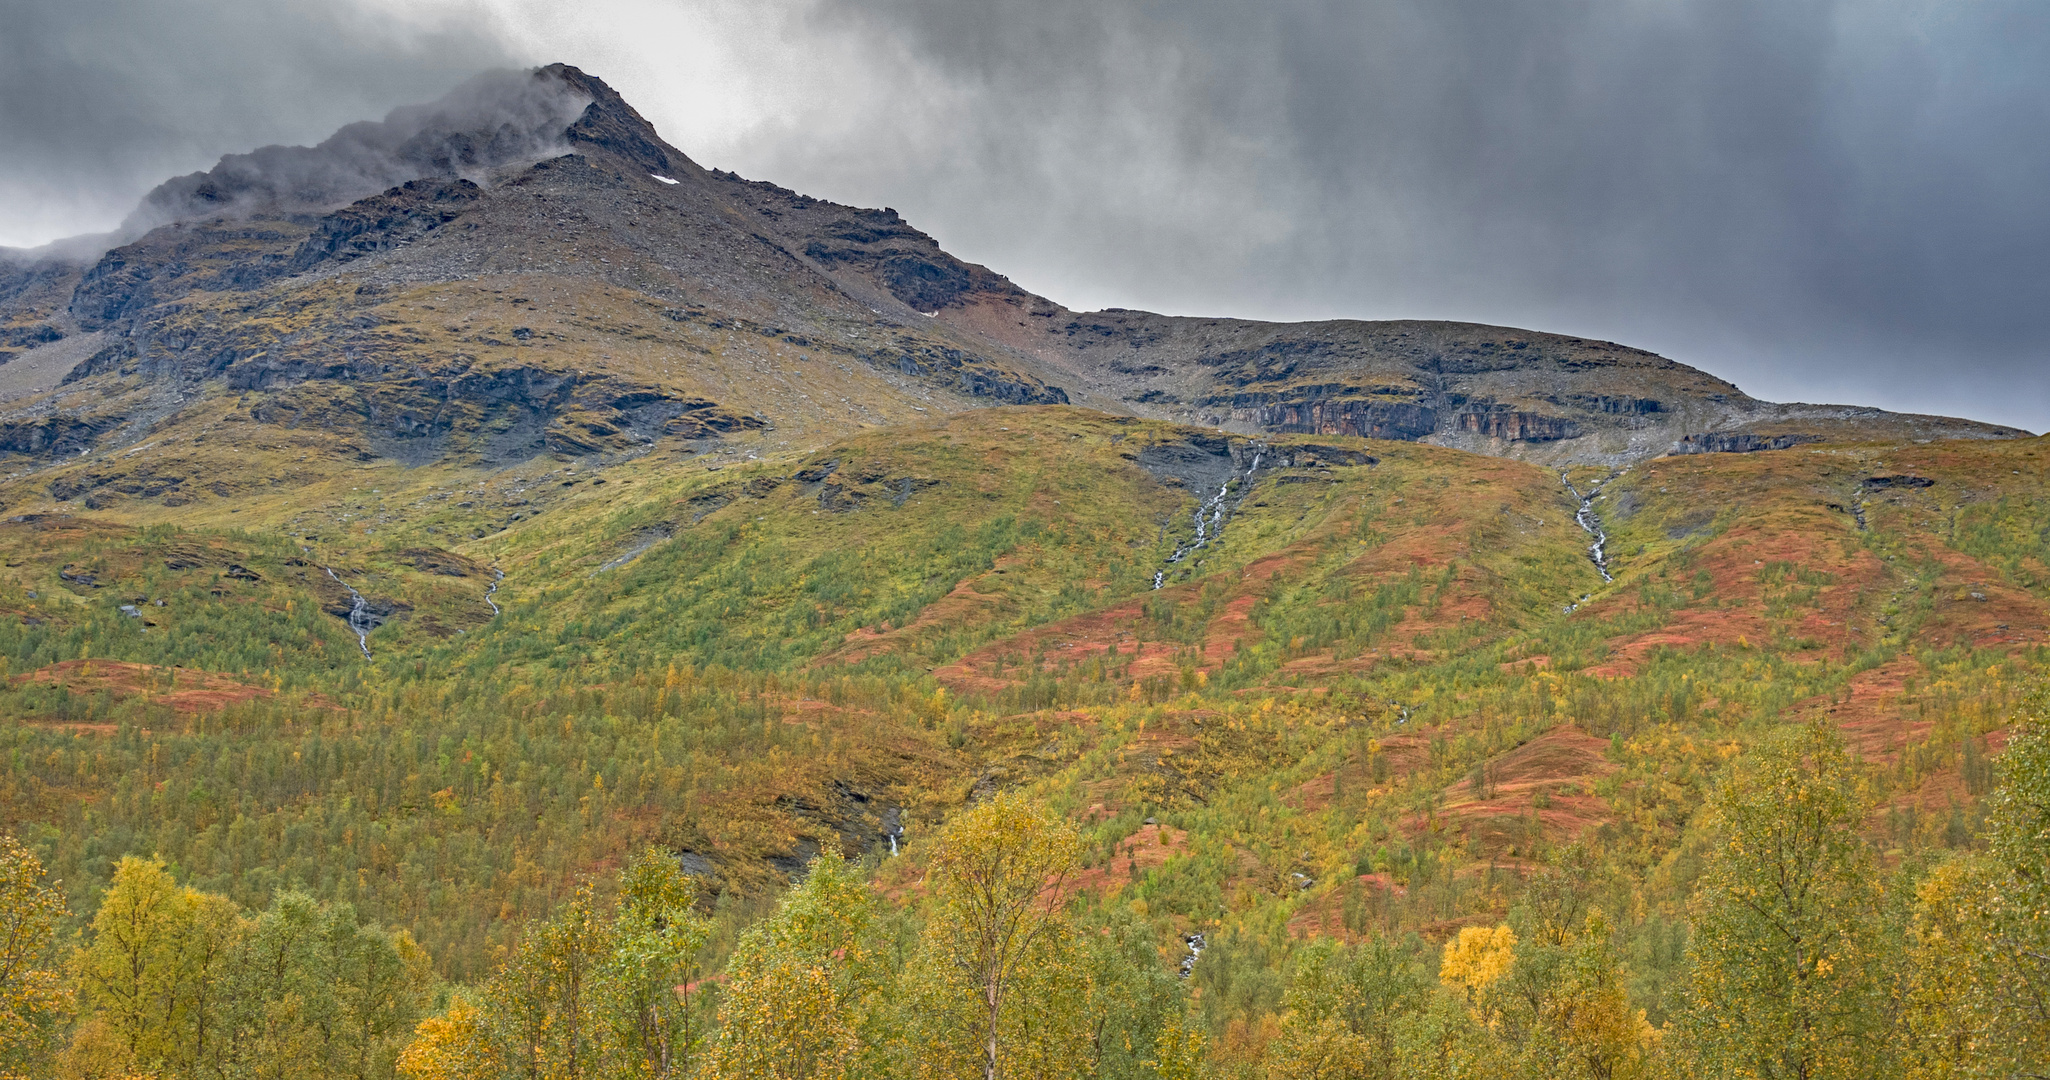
x: 1209, y: 520
x: 1196, y: 946
x: 1591, y: 525
x: 359, y: 613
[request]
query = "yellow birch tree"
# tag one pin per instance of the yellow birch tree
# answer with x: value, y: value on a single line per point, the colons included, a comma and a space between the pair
x: 33, y: 996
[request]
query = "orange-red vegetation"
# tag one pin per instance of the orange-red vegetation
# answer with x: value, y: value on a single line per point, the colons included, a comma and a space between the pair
x: 184, y: 690
x: 1147, y: 849
x: 1503, y: 813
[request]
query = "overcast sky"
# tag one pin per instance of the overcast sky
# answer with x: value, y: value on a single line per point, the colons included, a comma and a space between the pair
x: 1822, y: 201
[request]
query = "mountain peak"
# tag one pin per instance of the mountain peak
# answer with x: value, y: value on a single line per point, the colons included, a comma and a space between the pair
x: 609, y: 124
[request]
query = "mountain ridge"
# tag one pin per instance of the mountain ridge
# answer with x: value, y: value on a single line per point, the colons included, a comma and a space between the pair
x: 711, y: 241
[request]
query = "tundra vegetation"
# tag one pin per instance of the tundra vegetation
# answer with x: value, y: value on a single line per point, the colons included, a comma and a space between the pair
x: 887, y: 759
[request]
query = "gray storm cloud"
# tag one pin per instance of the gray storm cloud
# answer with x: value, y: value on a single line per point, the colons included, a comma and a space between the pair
x: 1820, y: 199
x: 492, y: 120
x: 102, y: 100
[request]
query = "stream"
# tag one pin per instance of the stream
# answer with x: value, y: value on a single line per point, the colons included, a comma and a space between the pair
x: 1591, y: 525
x: 1196, y: 945
x: 1209, y: 522
x: 488, y: 593
x: 359, y: 613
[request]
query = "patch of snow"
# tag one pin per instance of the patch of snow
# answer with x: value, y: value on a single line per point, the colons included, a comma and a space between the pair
x: 662, y: 178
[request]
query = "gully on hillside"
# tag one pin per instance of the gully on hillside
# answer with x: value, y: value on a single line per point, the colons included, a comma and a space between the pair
x: 360, y: 618
x: 1591, y: 524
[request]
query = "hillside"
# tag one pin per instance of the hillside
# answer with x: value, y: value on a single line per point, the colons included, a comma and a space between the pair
x: 677, y: 509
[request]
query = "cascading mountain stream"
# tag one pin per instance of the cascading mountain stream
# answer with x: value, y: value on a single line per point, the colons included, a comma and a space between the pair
x: 359, y: 613
x: 1592, y: 525
x: 1209, y: 519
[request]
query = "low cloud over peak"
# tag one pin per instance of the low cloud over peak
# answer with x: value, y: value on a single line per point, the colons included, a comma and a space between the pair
x: 491, y: 120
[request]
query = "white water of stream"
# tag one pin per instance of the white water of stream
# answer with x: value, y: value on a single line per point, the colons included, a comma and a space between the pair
x: 1209, y: 522
x: 359, y: 613
x: 1591, y: 525
x: 488, y: 593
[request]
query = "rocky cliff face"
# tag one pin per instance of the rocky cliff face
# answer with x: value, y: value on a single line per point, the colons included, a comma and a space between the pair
x: 1494, y: 390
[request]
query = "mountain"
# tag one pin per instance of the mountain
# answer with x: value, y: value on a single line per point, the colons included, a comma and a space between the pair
x: 432, y: 517
x: 527, y: 266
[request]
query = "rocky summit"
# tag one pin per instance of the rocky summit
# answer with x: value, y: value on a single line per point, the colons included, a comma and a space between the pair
x: 424, y: 527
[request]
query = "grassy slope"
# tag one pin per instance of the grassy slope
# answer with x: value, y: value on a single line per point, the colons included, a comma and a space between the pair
x: 1366, y: 706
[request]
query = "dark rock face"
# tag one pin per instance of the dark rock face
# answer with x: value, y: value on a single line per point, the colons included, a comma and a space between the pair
x: 877, y: 246
x: 1198, y: 464
x: 145, y: 483
x: 1009, y: 388
x: 904, y: 261
x: 216, y: 256
x: 845, y: 491
x: 445, y: 563
x: 54, y: 436
x: 1363, y: 419
x: 1516, y: 426
x: 1339, y: 409
x: 1879, y: 483
x: 399, y: 216
x: 375, y: 612
x: 1738, y: 442
x: 28, y: 337
x: 610, y: 124
x: 1312, y: 455
x: 859, y: 820
x: 112, y: 289
x: 1616, y: 406
x: 926, y: 284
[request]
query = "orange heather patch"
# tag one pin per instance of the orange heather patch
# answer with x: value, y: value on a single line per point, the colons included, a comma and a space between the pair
x: 1869, y: 714
x: 1312, y: 795
x: 1147, y: 849
x: 1977, y: 608
x: 1325, y: 916
x: 1119, y: 629
x: 1735, y: 610
x: 1405, y: 753
x: 1560, y: 765
x: 1112, y: 629
x: 184, y: 690
x: 961, y: 606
